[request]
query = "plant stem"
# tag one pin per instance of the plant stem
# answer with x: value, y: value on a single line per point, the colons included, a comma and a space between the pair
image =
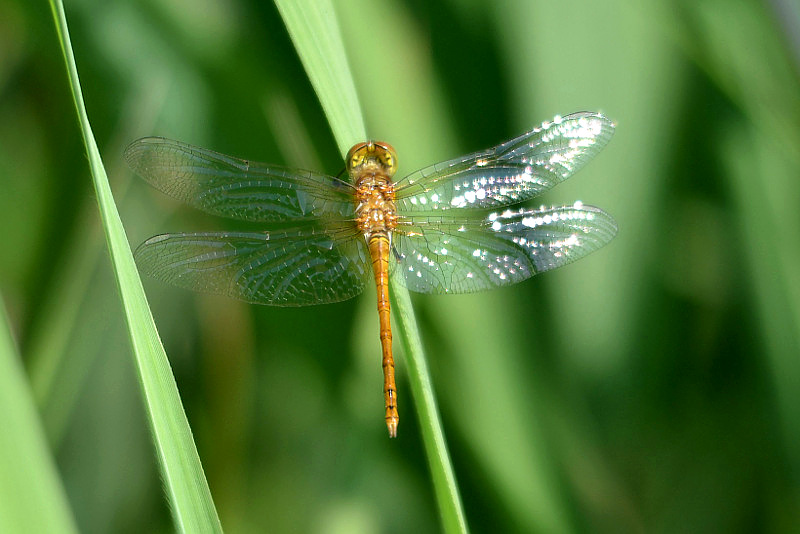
x: 444, y: 478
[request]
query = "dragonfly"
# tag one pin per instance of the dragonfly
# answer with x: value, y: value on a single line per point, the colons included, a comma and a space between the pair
x: 454, y: 227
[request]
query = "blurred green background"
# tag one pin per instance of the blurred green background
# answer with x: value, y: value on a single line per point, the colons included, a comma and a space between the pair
x: 653, y: 386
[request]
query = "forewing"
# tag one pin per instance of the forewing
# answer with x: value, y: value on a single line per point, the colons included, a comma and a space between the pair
x: 236, y: 188
x: 445, y: 255
x: 512, y: 172
x: 295, y: 267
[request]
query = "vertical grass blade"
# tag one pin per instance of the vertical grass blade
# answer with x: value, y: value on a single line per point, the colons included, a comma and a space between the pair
x: 315, y: 33
x: 184, y: 481
x: 31, y: 496
x: 444, y: 478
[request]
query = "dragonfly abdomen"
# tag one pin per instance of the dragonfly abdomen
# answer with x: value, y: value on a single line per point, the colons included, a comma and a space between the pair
x: 379, y: 250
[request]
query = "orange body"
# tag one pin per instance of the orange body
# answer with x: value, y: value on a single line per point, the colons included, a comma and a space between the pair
x: 371, y: 166
x: 379, y: 251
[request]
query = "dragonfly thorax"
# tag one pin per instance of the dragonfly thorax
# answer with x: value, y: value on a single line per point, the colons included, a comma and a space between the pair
x: 375, y: 207
x: 371, y: 166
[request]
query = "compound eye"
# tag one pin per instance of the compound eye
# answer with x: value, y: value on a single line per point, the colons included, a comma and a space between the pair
x: 355, y: 156
x: 387, y: 156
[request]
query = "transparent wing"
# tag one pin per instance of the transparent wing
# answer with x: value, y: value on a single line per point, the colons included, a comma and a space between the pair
x: 509, y: 173
x: 236, y: 188
x: 448, y: 255
x: 296, y: 267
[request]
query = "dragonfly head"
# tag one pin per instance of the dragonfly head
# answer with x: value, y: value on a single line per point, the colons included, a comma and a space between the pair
x: 372, y: 154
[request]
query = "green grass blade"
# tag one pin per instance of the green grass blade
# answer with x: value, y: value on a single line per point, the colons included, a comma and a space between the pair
x: 190, y: 499
x: 31, y: 496
x: 315, y: 34
x: 444, y: 479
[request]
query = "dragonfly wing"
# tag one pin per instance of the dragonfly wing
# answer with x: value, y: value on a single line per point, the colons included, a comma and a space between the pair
x: 296, y: 267
x: 236, y: 188
x: 447, y: 255
x: 509, y: 173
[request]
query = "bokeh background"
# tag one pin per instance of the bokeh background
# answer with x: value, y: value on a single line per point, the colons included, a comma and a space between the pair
x: 651, y: 387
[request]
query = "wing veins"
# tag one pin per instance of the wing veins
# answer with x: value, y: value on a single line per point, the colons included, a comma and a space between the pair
x: 511, y: 172
x: 236, y: 188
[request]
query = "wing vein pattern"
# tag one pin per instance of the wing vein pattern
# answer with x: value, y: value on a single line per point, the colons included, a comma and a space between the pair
x: 448, y: 255
x: 236, y: 188
x: 295, y: 267
x: 511, y: 172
